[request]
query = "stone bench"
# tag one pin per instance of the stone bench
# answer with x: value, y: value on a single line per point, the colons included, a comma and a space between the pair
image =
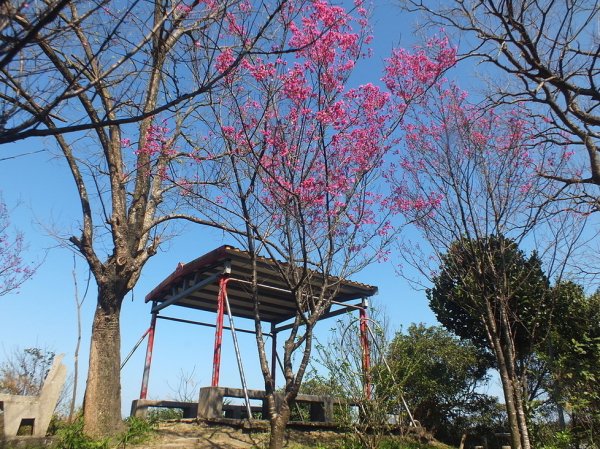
x: 139, y: 407
x: 36, y: 411
x: 211, y: 404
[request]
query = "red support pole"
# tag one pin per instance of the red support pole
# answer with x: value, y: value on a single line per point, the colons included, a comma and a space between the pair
x: 219, y: 331
x: 366, y: 350
x: 149, y: 348
x: 273, y: 353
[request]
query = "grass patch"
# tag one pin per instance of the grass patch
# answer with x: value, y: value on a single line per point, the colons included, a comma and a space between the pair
x: 71, y: 435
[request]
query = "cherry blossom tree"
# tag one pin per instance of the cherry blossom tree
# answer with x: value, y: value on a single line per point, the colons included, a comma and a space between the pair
x: 467, y: 176
x: 301, y: 179
x: 544, y: 54
x: 125, y: 90
x: 13, y: 269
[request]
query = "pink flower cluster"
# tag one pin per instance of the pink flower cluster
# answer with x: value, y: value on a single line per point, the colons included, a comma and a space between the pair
x: 409, y: 75
x: 225, y: 60
x: 327, y: 42
x: 13, y: 269
x: 156, y: 142
x: 448, y: 138
x: 313, y: 144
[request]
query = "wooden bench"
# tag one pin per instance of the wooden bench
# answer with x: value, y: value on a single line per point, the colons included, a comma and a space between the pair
x: 213, y: 405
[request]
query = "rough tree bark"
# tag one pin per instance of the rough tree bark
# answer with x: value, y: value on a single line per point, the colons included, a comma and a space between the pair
x: 278, y: 423
x: 103, y: 389
x: 102, y: 401
x: 508, y: 347
x: 489, y: 322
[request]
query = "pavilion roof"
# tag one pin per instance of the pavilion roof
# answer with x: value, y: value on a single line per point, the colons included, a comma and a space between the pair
x: 196, y: 285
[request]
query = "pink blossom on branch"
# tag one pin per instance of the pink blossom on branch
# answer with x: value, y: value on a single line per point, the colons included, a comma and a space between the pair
x: 225, y: 60
x: 157, y: 142
x: 13, y: 269
x: 457, y: 155
x: 310, y: 147
x: 408, y: 75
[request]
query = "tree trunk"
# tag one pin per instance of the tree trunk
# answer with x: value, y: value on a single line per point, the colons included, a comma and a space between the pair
x: 521, y: 415
x: 102, y: 402
x: 517, y: 385
x: 278, y: 425
x: 507, y: 385
x: 511, y: 409
x: 463, y: 440
x: 78, y: 304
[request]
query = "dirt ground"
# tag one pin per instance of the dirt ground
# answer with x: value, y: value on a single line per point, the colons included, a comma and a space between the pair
x: 192, y: 435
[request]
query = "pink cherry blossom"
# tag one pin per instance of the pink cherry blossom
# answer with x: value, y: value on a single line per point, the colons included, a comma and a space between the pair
x: 14, y: 270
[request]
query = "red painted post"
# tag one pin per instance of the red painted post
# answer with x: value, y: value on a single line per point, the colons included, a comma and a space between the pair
x: 273, y: 353
x: 146, y: 376
x: 366, y: 350
x: 219, y: 331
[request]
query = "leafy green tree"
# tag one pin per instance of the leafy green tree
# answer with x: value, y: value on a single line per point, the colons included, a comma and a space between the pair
x: 438, y: 374
x: 435, y: 373
x: 573, y: 356
x: 475, y: 271
x: 488, y: 291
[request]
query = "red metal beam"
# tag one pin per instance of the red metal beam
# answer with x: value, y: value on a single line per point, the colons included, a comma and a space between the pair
x: 273, y: 353
x: 366, y: 351
x: 219, y: 330
x: 148, y: 363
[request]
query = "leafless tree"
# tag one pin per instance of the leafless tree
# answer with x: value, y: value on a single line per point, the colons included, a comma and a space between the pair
x: 79, y: 299
x: 342, y: 356
x: 23, y: 371
x: 119, y: 57
x: 21, y: 21
x: 14, y: 271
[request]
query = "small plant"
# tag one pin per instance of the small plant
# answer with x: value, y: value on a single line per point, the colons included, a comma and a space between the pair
x: 157, y: 414
x: 71, y: 436
x: 138, y: 431
x: 561, y: 440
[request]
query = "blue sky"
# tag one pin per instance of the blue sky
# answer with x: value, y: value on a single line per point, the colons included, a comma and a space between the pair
x: 41, y: 194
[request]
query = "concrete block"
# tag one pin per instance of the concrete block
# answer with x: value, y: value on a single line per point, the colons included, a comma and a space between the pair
x: 210, y: 403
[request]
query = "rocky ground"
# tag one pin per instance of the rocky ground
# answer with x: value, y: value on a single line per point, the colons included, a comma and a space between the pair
x: 192, y: 435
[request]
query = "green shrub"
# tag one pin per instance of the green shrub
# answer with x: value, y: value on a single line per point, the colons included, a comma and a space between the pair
x: 157, y: 414
x: 138, y: 431
x: 71, y: 436
x: 560, y: 440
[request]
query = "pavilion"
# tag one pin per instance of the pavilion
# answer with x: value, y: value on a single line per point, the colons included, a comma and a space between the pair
x: 220, y: 282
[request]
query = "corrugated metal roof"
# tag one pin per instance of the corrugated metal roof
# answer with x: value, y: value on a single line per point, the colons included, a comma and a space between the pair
x: 277, y: 303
